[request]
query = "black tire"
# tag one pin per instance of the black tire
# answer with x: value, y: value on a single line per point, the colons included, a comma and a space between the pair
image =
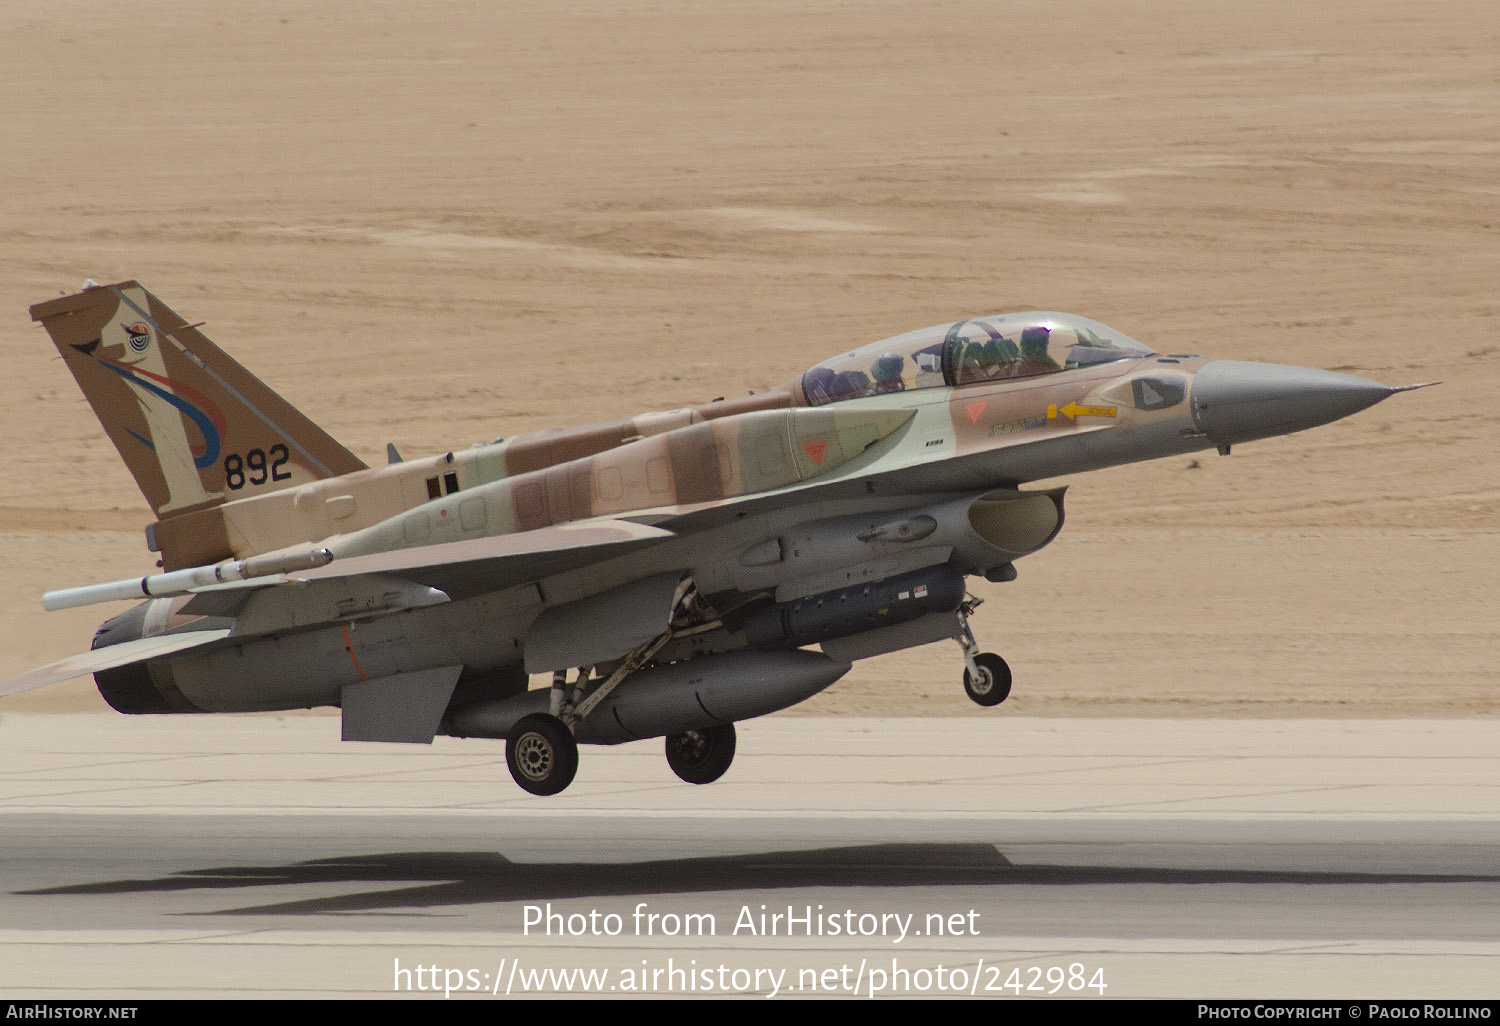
x: 541, y: 754
x: 701, y: 756
x: 993, y: 686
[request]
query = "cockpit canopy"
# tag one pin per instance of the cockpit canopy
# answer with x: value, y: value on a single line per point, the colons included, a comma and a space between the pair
x: 983, y: 349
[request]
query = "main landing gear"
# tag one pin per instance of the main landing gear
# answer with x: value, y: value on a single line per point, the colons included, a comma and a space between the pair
x: 543, y: 757
x: 986, y: 675
x: 541, y: 754
x: 540, y: 749
x: 701, y: 756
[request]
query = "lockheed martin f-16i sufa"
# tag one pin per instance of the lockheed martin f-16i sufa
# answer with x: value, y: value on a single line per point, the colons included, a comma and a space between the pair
x: 673, y: 572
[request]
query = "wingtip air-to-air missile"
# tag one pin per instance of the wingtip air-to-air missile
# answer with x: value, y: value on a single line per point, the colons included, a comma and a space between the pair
x: 673, y: 572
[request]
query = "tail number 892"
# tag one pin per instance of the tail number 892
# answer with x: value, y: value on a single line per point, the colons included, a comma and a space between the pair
x: 254, y: 467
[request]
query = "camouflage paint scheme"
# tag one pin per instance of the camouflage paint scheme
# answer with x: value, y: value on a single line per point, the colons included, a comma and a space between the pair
x: 657, y: 460
x: 844, y: 509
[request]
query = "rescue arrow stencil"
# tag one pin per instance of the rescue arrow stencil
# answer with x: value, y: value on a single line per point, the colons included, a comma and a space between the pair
x: 1073, y: 411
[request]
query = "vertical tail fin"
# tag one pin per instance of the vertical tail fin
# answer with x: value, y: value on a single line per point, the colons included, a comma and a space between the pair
x: 195, y: 428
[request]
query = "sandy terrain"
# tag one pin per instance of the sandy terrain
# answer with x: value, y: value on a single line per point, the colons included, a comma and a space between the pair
x: 437, y: 223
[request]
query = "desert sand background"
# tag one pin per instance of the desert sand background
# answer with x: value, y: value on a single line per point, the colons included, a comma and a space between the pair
x: 432, y: 224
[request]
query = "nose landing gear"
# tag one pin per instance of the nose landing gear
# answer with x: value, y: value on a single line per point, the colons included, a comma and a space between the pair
x: 986, y: 675
x: 989, y: 683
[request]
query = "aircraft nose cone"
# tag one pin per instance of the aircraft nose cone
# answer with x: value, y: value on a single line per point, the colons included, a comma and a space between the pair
x: 1241, y: 402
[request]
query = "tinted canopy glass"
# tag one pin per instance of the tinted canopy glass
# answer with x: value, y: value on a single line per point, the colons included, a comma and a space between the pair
x: 982, y: 349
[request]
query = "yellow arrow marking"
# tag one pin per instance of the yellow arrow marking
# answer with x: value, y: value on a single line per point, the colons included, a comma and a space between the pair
x: 1073, y: 411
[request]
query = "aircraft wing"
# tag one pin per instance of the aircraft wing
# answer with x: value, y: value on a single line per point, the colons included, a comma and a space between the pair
x: 109, y: 658
x: 475, y: 566
x: 457, y: 569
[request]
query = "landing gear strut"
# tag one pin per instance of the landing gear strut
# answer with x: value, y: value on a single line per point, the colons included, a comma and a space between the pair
x: 541, y: 754
x: 701, y: 756
x: 541, y: 751
x: 986, y: 675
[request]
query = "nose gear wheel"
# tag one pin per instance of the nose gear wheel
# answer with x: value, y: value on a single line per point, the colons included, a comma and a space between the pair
x: 991, y: 685
x: 986, y: 675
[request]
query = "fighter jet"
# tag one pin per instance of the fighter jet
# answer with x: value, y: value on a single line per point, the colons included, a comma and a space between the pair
x: 673, y: 572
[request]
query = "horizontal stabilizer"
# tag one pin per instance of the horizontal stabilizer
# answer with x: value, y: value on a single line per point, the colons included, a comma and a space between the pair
x: 108, y: 658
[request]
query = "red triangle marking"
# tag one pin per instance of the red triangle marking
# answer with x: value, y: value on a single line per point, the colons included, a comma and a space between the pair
x: 976, y: 410
x: 815, y: 450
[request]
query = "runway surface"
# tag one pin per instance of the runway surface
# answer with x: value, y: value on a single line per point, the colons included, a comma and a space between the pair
x: 259, y: 856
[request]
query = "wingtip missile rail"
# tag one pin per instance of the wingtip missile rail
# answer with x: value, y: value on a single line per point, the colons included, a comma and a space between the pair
x: 181, y: 582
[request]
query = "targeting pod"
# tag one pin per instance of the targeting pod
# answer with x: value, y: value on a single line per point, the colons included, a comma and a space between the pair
x: 856, y: 609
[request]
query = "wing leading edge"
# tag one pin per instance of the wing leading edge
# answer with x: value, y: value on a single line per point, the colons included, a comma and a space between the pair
x: 463, y: 569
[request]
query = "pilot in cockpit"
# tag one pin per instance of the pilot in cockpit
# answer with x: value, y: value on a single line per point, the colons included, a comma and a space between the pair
x: 885, y: 373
